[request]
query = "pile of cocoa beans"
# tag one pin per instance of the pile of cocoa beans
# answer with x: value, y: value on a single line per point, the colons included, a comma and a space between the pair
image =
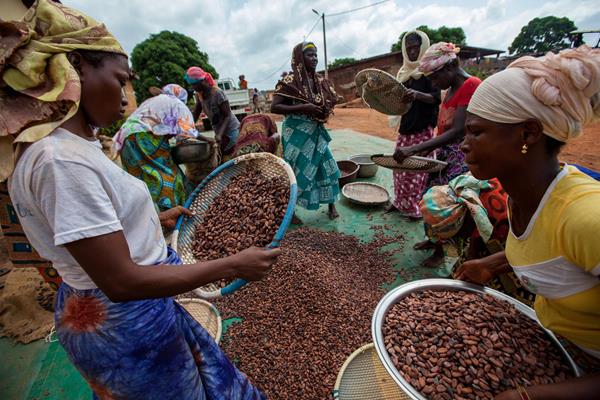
x: 310, y: 313
x: 247, y: 213
x: 463, y: 345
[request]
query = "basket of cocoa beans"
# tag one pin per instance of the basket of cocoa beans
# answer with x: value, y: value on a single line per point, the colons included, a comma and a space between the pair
x: 247, y: 201
x: 445, y: 339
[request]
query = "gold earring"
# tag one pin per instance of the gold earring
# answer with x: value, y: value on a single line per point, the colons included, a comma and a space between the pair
x: 524, y: 149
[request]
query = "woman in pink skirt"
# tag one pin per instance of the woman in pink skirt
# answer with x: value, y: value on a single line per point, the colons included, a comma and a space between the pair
x: 416, y: 126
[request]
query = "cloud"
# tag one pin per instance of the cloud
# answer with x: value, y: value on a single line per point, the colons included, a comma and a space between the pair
x: 256, y: 37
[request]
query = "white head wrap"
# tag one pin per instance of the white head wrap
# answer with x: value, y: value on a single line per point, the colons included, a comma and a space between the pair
x: 561, y: 90
x: 409, y: 69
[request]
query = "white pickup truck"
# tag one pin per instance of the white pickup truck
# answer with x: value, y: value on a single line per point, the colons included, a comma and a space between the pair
x: 239, y: 101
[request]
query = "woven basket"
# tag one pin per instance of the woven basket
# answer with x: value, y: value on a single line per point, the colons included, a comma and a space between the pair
x: 381, y: 91
x: 365, y: 193
x: 202, y: 197
x: 363, y: 377
x: 205, y: 314
x: 410, y: 164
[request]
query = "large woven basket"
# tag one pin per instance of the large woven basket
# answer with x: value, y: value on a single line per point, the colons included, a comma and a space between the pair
x: 205, y: 314
x: 410, y: 164
x: 202, y: 197
x: 363, y: 377
x: 381, y: 91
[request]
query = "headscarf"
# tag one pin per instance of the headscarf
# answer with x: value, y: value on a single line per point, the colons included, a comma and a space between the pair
x: 165, y: 114
x: 409, y: 69
x: 175, y: 90
x: 197, y: 74
x: 561, y: 90
x: 437, y: 56
x: 296, y: 86
x: 444, y: 208
x: 41, y: 87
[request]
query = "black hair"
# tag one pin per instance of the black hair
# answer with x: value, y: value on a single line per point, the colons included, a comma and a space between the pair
x: 413, y: 36
x: 553, y: 146
x: 96, y: 58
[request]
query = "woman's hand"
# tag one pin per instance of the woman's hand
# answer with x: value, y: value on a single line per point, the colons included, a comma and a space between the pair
x: 253, y: 263
x: 474, y: 271
x: 403, y: 153
x: 312, y: 110
x: 409, y: 96
x: 484, y: 269
x: 168, y: 219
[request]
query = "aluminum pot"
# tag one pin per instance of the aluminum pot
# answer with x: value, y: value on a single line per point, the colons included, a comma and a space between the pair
x: 367, y: 168
x: 191, y: 152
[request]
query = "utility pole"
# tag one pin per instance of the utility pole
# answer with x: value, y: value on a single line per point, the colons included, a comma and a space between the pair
x: 324, y: 43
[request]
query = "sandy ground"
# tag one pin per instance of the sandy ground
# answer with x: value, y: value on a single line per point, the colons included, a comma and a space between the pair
x: 584, y: 150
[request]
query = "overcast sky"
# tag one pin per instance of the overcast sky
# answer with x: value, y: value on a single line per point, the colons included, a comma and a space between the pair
x: 255, y: 37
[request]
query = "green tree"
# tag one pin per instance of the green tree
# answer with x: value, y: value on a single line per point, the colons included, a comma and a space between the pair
x: 338, y: 62
x: 454, y: 35
x: 541, y: 35
x: 163, y: 58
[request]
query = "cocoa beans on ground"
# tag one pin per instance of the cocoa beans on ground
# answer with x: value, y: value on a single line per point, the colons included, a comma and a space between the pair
x: 308, y: 315
x: 463, y: 345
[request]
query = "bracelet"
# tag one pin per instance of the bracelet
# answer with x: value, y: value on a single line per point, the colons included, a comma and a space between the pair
x: 523, y: 393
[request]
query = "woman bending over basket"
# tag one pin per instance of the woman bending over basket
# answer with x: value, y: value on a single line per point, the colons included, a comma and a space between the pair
x: 517, y: 122
x: 416, y: 126
x: 115, y: 316
x: 143, y: 143
x: 211, y: 100
x: 307, y: 100
x: 440, y: 64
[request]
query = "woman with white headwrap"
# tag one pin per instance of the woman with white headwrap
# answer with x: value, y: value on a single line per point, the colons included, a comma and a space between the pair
x: 517, y: 122
x: 416, y: 126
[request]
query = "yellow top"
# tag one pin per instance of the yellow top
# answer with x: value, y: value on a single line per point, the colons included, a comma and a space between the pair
x: 558, y: 258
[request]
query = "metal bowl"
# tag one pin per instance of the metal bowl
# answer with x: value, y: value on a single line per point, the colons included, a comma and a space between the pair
x: 402, y: 291
x: 191, y: 152
x: 367, y: 168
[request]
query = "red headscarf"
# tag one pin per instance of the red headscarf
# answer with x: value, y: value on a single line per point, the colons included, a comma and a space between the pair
x: 197, y: 74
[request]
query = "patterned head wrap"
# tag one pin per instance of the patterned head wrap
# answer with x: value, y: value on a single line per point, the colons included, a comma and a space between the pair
x: 161, y: 115
x: 437, y: 56
x: 197, y: 74
x: 561, y: 90
x: 175, y: 90
x: 444, y: 208
x: 41, y: 89
x: 296, y: 86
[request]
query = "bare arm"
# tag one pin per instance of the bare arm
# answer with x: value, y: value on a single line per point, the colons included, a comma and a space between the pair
x: 425, y: 98
x: 453, y: 134
x: 197, y: 109
x: 483, y: 270
x: 280, y: 106
x: 225, y: 111
x: 106, y: 259
x: 586, y: 388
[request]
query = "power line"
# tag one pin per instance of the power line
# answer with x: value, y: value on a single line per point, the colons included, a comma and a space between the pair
x: 357, y: 9
x: 337, y: 38
x: 289, y: 58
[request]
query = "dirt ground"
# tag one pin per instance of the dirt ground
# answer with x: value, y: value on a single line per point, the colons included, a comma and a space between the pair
x: 584, y: 150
